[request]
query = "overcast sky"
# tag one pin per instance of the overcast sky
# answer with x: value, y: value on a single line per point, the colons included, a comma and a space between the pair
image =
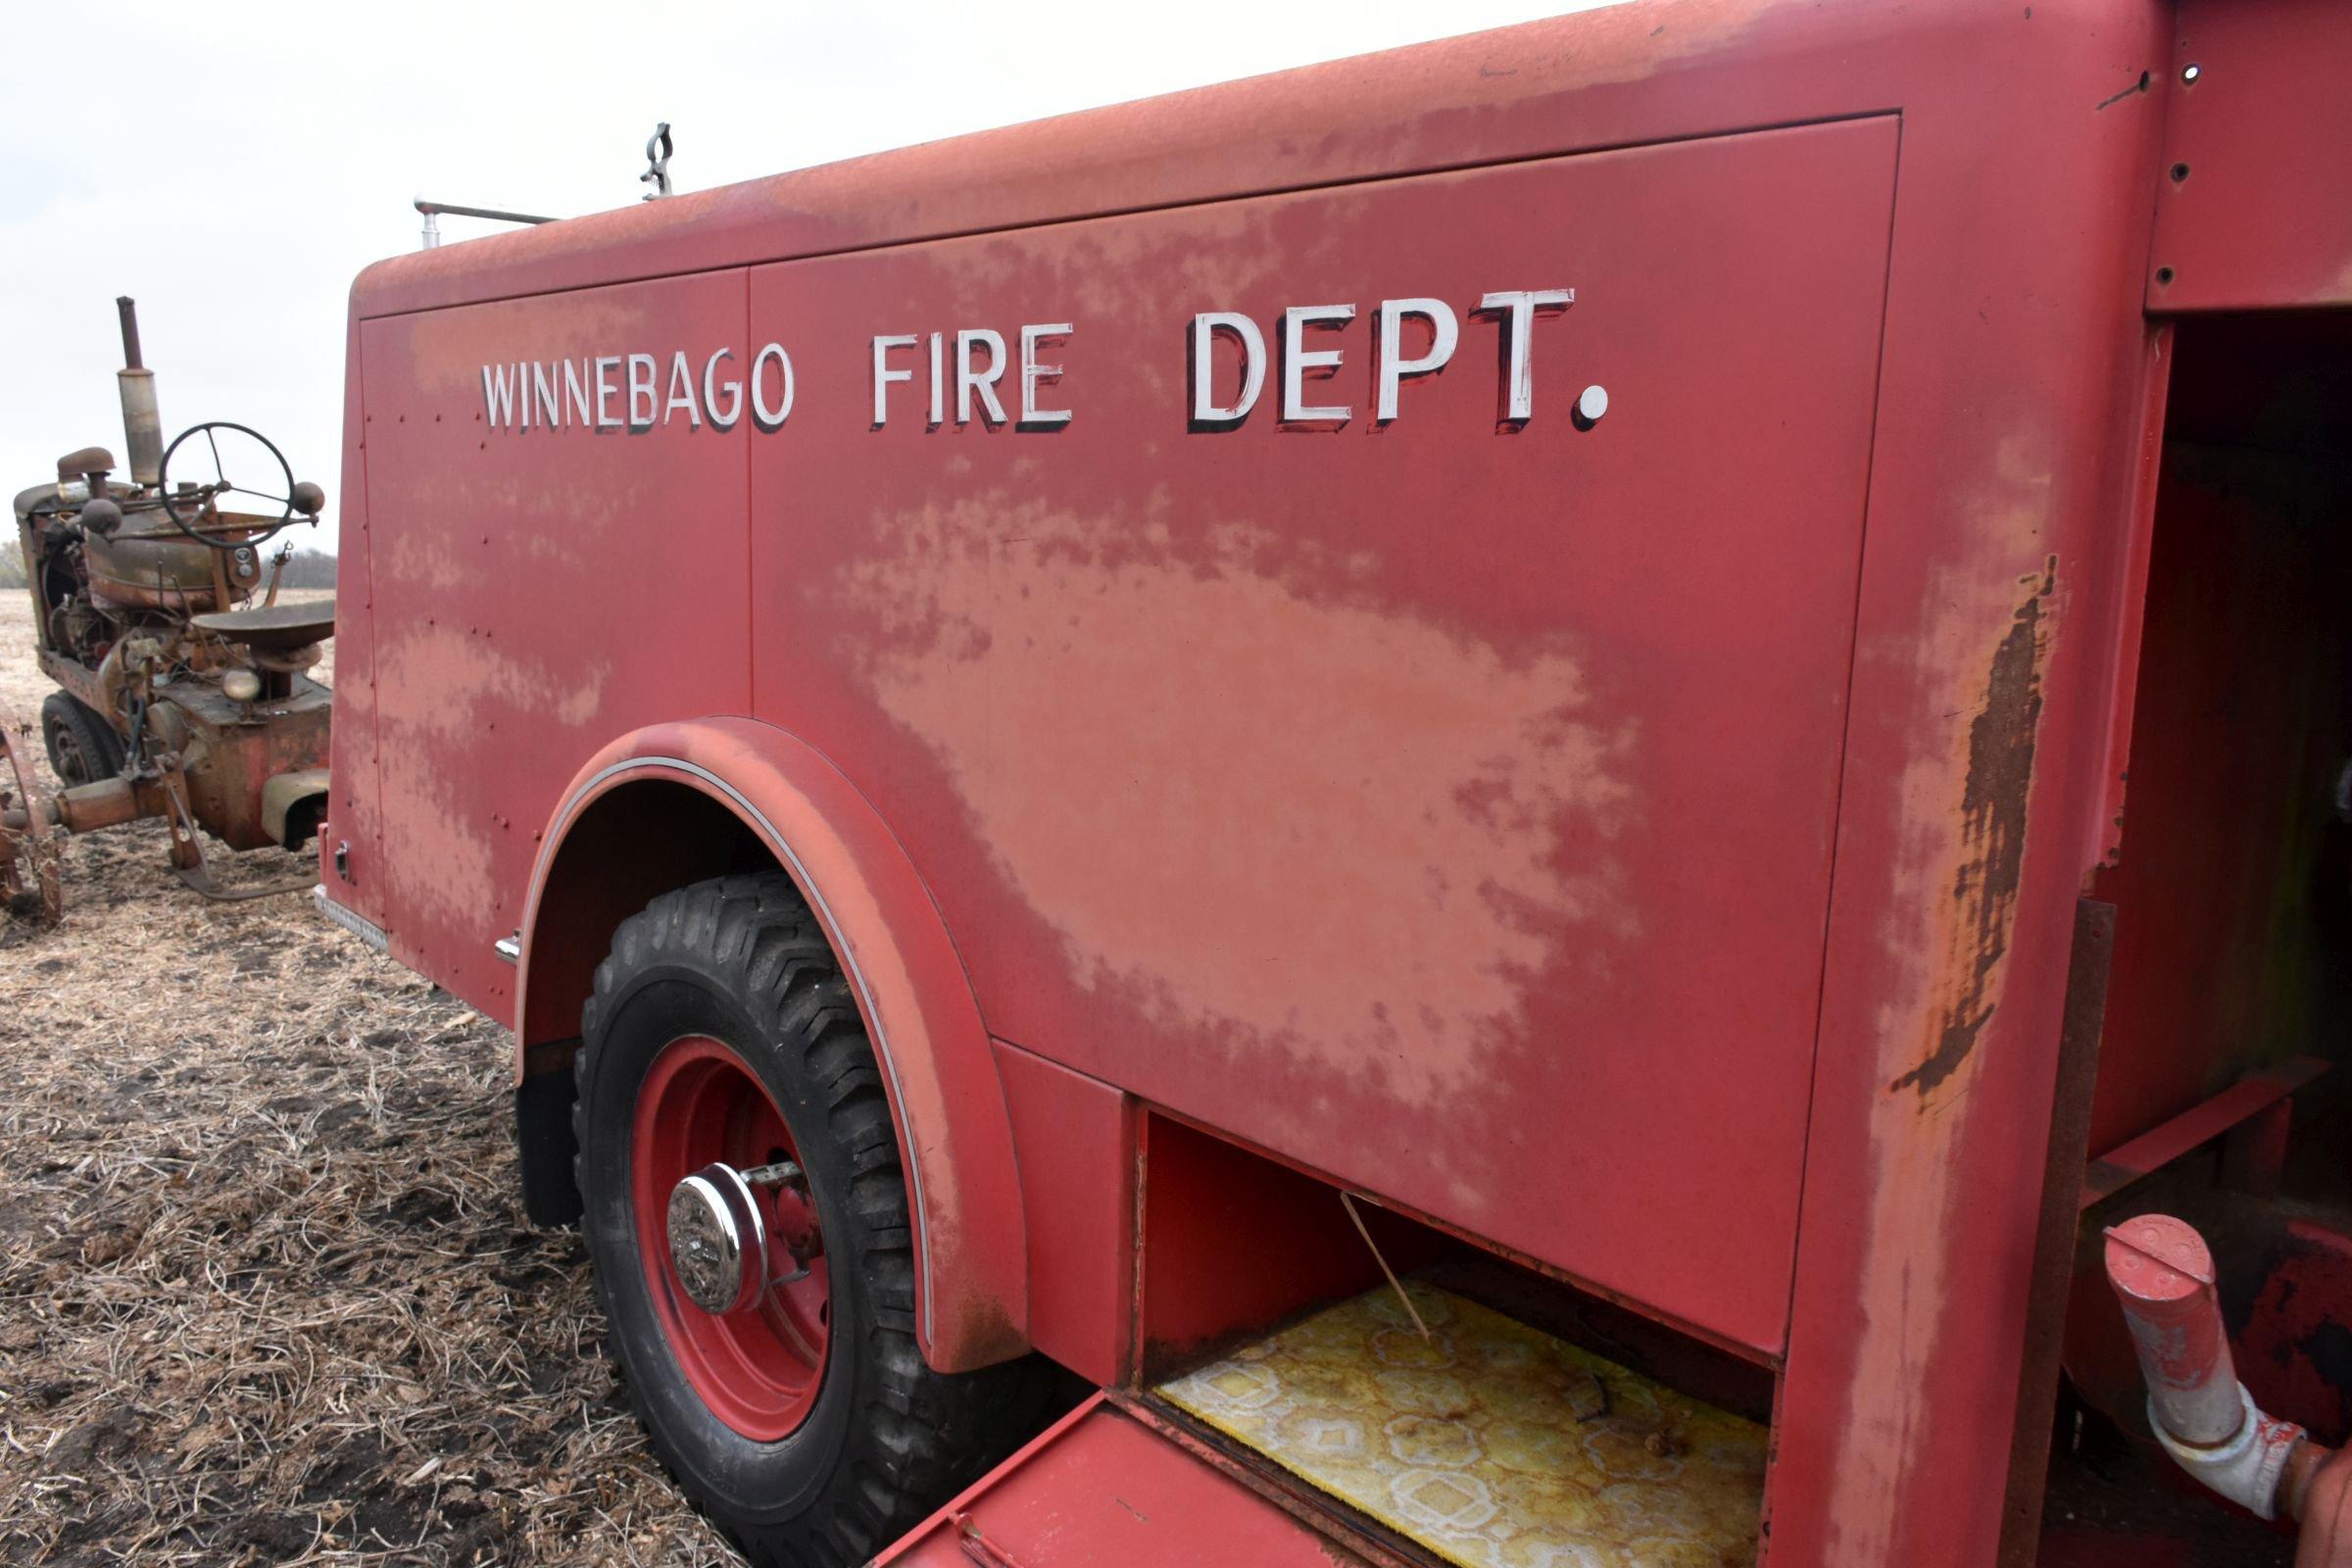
x: 232, y: 166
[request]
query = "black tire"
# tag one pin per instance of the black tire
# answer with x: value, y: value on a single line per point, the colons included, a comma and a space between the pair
x: 888, y: 1440
x: 82, y: 747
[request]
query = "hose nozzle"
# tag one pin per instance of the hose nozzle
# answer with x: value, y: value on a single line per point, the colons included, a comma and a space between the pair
x: 2162, y: 1273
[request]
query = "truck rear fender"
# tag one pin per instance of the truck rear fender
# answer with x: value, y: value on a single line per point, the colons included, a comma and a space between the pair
x: 673, y: 804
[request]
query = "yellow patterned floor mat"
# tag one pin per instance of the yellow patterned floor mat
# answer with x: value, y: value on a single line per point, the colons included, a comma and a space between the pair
x: 1470, y: 1442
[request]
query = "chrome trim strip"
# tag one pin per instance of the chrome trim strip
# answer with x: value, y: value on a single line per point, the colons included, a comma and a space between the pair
x: 358, y: 925
x: 824, y: 914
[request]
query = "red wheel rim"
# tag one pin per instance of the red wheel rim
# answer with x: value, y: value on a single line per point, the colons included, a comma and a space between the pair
x: 759, y: 1369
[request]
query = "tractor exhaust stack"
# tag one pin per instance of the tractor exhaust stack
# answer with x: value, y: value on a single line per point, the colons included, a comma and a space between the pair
x: 142, y: 424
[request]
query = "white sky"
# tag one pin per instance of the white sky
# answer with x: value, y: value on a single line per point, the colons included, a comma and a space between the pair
x: 231, y: 166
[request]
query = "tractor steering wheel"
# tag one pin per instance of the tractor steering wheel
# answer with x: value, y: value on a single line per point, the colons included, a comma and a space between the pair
x: 203, y: 520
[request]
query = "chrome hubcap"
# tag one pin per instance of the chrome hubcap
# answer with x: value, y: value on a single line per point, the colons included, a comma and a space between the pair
x: 717, y: 1241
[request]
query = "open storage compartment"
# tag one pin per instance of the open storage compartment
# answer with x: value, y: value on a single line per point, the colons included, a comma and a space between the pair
x: 2228, y: 987
x: 2233, y: 886
x: 1501, y: 1412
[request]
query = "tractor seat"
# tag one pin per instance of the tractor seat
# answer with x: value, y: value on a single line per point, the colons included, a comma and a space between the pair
x: 274, y: 629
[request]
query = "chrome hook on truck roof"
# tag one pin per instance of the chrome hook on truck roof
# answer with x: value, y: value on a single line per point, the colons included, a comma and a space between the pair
x: 656, y: 169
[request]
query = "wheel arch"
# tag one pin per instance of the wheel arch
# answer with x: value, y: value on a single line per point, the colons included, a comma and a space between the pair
x: 675, y: 804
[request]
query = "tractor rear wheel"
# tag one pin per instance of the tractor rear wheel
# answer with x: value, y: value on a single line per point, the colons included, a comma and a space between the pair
x: 746, y: 1211
x: 82, y: 747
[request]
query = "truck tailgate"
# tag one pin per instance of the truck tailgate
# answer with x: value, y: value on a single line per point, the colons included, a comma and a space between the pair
x: 1099, y: 1488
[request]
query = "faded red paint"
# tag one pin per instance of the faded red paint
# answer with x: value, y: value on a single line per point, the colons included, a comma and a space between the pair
x: 1651, y: 849
x: 1315, y: 783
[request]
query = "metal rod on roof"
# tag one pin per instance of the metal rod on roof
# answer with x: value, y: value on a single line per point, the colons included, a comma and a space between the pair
x: 432, y: 209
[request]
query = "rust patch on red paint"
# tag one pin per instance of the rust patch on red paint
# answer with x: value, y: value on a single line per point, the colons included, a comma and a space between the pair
x: 1993, y: 811
x: 982, y: 1330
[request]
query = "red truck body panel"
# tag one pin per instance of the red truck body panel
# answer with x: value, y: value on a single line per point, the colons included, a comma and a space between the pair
x: 1606, y: 839
x: 1151, y: 739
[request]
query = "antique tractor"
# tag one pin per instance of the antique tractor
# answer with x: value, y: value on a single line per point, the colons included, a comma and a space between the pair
x: 183, y: 685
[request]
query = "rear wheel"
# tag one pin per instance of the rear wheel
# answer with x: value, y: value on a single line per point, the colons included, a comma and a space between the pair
x: 746, y: 1211
x: 82, y: 747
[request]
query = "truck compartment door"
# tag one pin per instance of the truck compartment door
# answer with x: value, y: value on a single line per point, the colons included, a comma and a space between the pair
x: 1098, y: 1486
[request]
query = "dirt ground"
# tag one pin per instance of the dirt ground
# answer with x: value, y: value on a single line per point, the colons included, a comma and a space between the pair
x: 267, y: 1294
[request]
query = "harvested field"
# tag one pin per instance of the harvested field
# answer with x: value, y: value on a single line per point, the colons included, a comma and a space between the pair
x: 267, y: 1295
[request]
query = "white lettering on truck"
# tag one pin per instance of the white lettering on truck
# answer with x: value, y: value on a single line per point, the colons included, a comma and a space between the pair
x: 568, y: 394
x: 1521, y: 306
x: 762, y: 416
x: 1032, y: 372
x: 1444, y: 332
x: 1206, y: 409
x: 681, y: 393
x: 1298, y: 358
x: 884, y: 375
x: 984, y: 382
x: 641, y: 386
x: 498, y: 395
x: 711, y: 384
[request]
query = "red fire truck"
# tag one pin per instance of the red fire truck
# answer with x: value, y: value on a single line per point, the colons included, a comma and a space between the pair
x: 1572, y: 798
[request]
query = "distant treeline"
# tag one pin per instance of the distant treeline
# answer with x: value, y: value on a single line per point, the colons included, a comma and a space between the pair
x: 305, y: 569
x: 309, y: 569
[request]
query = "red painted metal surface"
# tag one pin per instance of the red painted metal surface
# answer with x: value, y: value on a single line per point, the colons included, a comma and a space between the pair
x: 1651, y: 848
x: 2122, y: 674
x: 757, y: 1369
x: 2255, y: 209
x: 1144, y: 738
x: 1232, y: 1241
x: 518, y: 618
x: 2251, y: 1097
x: 1994, y: 579
x: 1077, y: 1143
x: 1097, y: 1487
x: 354, y: 821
